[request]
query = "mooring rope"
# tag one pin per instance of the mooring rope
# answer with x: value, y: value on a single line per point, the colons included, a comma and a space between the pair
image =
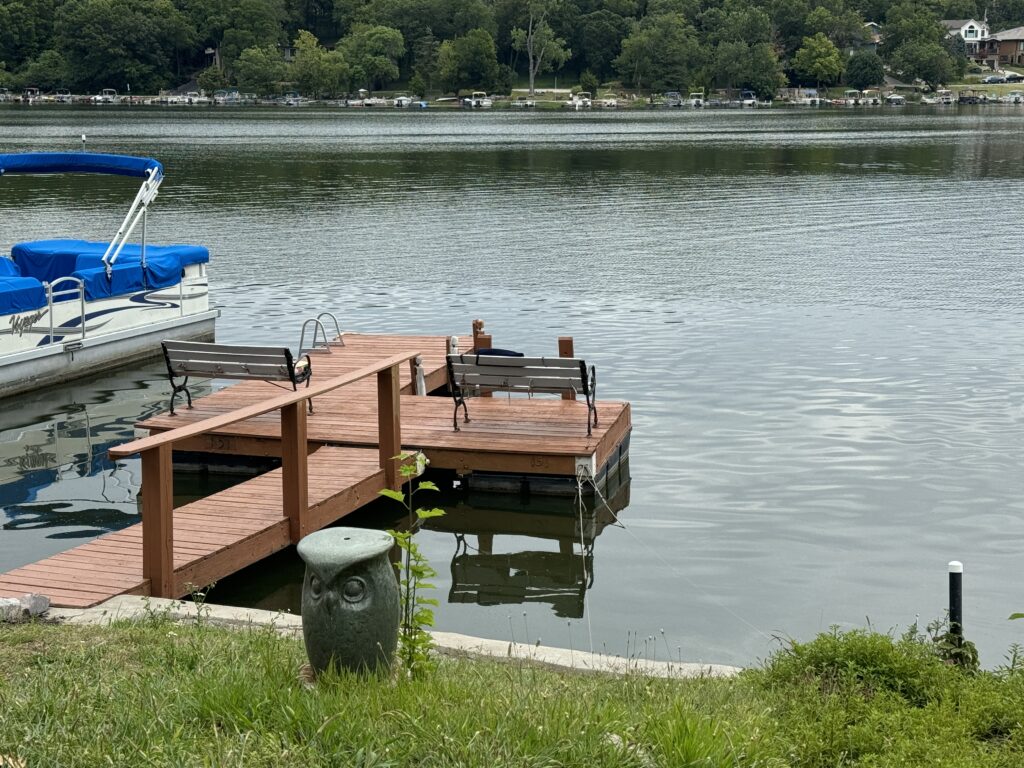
x: 665, y: 562
x: 581, y: 475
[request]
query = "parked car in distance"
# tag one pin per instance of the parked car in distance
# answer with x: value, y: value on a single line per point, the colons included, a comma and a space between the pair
x: 991, y: 79
x: 1014, y: 77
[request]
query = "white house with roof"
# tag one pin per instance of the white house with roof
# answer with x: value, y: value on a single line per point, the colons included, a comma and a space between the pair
x: 971, y: 30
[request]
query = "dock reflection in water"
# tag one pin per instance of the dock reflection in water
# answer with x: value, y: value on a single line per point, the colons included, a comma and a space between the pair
x: 517, y: 570
x: 508, y: 550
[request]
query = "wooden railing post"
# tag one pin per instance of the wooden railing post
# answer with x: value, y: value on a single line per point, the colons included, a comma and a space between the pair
x: 158, y: 520
x: 294, y: 469
x: 389, y: 429
x: 565, y: 349
x: 481, y: 340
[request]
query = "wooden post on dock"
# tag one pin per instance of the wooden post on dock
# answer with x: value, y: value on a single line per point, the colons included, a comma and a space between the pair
x: 565, y: 349
x: 158, y: 520
x: 481, y: 340
x: 389, y: 429
x: 294, y: 469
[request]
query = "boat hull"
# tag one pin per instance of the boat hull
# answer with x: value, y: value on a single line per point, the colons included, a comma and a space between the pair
x: 59, y: 363
x: 70, y: 339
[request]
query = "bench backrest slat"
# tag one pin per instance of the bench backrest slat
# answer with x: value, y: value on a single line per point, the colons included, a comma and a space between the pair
x: 176, y: 347
x: 506, y: 370
x: 517, y: 362
x: 525, y: 383
x: 189, y: 356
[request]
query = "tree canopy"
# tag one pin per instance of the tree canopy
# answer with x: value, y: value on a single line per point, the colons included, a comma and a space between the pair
x: 326, y: 46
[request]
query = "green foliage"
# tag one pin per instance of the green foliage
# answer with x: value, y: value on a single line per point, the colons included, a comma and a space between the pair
x: 658, y: 44
x: 818, y: 60
x: 414, y: 640
x: 47, y: 71
x: 589, y: 81
x: 543, y: 48
x: 260, y: 70
x: 418, y: 85
x: 864, y: 663
x: 662, y: 53
x: 212, y: 79
x: 468, y: 62
x: 865, y: 69
x: 116, y: 43
x: 315, y: 70
x: 372, y: 53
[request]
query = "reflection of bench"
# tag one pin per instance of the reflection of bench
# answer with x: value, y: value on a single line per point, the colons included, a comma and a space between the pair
x: 221, y: 361
x: 477, y: 373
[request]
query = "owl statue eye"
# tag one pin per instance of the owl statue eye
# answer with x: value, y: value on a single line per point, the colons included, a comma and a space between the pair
x: 354, y: 590
x: 315, y: 587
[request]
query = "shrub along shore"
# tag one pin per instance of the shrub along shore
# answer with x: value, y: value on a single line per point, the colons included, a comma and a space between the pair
x: 156, y: 692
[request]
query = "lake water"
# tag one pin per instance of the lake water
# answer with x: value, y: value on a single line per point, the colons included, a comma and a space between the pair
x: 817, y: 317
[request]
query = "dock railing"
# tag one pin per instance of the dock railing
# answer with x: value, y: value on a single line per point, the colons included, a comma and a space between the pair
x: 158, y: 470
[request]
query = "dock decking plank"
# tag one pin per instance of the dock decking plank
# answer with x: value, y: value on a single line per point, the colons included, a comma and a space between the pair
x: 213, y: 537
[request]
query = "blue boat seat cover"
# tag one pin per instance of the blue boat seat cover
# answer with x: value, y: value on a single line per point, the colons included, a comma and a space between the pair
x: 8, y: 268
x: 124, y: 278
x: 47, y: 260
x: 20, y: 294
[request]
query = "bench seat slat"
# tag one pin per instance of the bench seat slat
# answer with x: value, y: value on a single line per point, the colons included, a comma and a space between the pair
x: 275, y: 371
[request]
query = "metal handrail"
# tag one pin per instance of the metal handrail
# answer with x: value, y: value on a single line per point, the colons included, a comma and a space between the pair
x: 303, y: 349
x: 337, y: 328
x: 51, y: 293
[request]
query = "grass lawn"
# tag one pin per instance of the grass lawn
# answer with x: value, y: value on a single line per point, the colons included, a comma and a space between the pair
x: 154, y: 693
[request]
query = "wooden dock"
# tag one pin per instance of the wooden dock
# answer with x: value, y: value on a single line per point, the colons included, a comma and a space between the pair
x: 332, y: 462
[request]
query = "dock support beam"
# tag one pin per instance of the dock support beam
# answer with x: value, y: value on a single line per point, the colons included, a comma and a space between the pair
x: 294, y: 470
x: 157, y: 520
x: 389, y: 427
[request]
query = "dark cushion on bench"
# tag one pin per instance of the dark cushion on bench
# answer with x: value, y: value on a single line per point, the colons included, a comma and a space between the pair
x: 498, y: 353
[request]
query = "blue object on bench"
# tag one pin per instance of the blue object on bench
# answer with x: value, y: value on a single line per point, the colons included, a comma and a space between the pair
x: 20, y: 294
x: 497, y: 352
x: 8, y: 268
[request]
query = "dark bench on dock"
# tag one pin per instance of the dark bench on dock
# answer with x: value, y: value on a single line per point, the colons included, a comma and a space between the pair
x: 223, y: 361
x: 479, y: 372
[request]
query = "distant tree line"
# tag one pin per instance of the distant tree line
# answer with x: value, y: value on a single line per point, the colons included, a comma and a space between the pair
x: 336, y: 46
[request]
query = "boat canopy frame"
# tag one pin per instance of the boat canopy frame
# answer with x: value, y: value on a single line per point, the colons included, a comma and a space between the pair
x: 148, y: 169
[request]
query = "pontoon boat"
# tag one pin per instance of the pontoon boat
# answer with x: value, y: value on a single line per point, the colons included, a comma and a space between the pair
x: 71, y: 307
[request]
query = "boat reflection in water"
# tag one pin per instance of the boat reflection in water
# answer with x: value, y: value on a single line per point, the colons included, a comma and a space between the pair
x: 56, y: 481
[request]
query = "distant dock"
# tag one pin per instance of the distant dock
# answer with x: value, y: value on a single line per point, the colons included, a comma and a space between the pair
x: 332, y: 462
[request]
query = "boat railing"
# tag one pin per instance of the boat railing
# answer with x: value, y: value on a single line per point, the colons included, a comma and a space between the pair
x: 52, y: 294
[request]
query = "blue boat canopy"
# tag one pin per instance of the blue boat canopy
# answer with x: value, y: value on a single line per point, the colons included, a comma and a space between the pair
x: 80, y: 162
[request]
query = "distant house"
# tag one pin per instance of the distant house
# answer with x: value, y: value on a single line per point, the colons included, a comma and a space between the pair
x: 1009, y: 45
x: 971, y: 30
x: 869, y: 42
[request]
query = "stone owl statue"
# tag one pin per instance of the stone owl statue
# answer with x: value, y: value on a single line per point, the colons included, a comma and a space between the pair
x: 350, y: 602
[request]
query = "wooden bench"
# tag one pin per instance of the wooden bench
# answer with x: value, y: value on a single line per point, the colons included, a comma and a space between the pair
x: 223, y: 361
x: 477, y: 373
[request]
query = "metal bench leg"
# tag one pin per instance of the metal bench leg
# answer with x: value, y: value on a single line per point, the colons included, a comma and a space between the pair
x: 175, y: 389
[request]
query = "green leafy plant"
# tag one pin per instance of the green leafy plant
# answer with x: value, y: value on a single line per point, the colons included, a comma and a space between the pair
x: 414, y: 641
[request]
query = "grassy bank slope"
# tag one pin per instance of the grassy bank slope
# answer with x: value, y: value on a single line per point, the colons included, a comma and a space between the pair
x: 157, y: 693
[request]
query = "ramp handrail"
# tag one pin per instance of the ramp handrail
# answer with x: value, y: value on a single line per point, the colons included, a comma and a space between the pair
x: 158, y: 470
